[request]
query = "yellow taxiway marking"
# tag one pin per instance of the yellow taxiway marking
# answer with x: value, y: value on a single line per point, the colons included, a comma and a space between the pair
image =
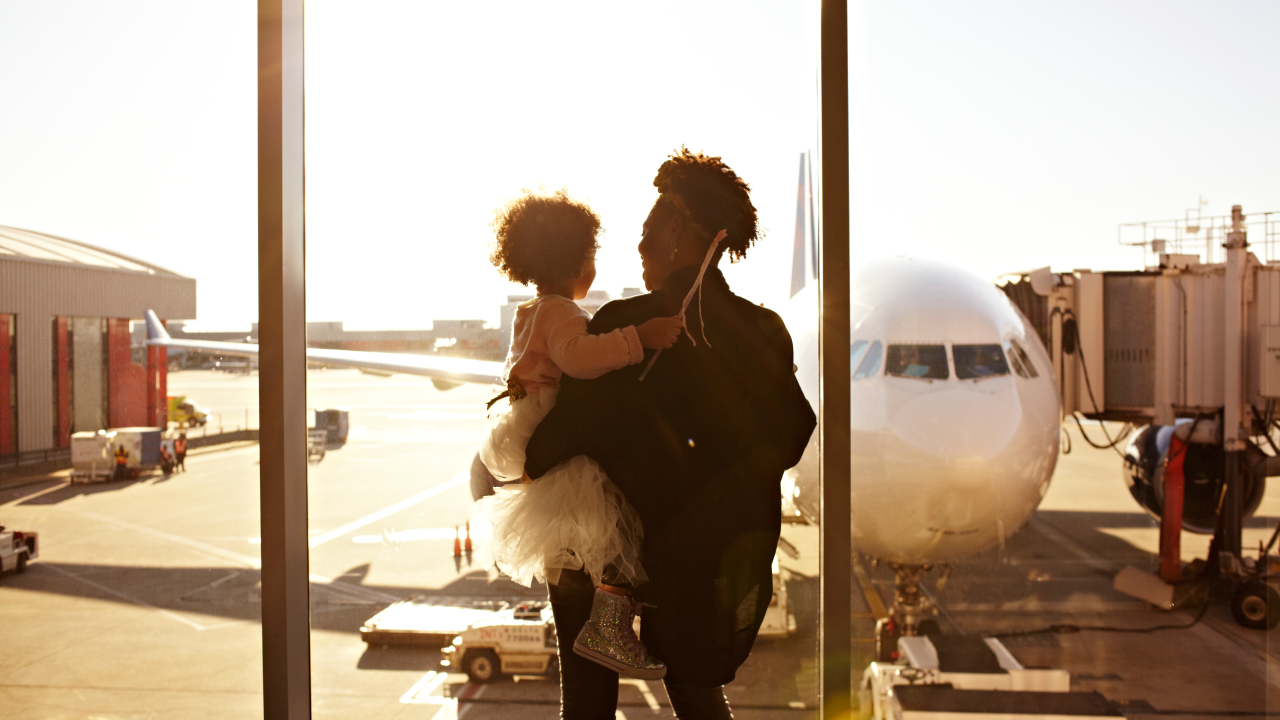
x: 874, y: 602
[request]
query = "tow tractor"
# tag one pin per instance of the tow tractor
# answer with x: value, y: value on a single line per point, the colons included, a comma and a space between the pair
x: 516, y: 641
x: 184, y: 412
x: 17, y: 548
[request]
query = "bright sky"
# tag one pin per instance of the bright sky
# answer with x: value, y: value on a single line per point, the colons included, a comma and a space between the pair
x: 997, y: 136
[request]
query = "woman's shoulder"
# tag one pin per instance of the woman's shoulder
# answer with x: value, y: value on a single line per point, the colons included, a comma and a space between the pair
x: 626, y: 311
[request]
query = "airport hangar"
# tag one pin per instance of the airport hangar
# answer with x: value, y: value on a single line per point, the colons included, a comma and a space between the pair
x: 65, y: 362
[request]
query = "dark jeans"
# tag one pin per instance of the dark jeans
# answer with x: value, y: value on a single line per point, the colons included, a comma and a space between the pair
x: 589, y: 691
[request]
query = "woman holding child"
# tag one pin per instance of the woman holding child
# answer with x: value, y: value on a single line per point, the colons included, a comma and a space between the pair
x: 687, y: 439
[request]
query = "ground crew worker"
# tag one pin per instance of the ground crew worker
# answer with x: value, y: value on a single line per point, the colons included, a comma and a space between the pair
x: 122, y: 463
x: 166, y: 460
x: 180, y: 449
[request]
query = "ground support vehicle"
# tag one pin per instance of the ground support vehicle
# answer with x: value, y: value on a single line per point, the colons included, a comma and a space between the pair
x: 778, y: 618
x: 517, y: 641
x: 17, y: 548
x: 317, y: 443
x: 184, y: 412
x: 961, y: 676
x: 93, y: 454
x: 336, y: 422
x: 91, y: 458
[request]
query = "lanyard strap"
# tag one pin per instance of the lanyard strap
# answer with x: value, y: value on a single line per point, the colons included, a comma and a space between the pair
x: 696, y: 287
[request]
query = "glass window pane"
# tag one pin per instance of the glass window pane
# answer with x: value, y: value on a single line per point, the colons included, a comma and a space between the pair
x: 130, y: 502
x: 978, y: 361
x: 423, y: 122
x: 928, y: 362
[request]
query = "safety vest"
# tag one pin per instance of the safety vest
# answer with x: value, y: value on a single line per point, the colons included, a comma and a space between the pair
x: 122, y: 455
x: 180, y: 446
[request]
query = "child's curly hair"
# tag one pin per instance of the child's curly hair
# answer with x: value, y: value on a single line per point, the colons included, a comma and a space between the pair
x: 715, y: 197
x: 543, y: 238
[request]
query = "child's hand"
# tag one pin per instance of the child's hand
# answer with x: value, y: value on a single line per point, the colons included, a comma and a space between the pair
x: 659, y: 333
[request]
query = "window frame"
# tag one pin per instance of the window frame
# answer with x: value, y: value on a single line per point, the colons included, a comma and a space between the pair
x: 286, y: 626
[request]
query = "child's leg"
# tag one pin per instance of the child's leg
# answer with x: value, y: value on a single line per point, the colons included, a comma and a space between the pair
x: 608, y: 638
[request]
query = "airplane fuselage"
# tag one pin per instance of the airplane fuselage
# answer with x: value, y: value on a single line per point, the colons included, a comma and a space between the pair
x: 955, y: 412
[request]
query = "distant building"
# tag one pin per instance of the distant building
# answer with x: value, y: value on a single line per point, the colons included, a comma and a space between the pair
x: 508, y: 315
x: 65, y: 361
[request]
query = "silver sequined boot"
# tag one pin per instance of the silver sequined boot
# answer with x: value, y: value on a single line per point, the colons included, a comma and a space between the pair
x: 608, y: 639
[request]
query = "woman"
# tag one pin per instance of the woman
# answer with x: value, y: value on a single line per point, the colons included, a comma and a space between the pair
x: 698, y: 447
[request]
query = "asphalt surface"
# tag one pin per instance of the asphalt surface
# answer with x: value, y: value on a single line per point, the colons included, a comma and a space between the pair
x: 144, y: 601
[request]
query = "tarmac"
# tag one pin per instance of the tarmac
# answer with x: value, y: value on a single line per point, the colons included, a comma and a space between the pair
x: 144, y: 601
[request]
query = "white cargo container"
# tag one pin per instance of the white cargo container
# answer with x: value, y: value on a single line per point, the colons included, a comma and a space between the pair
x: 91, y: 457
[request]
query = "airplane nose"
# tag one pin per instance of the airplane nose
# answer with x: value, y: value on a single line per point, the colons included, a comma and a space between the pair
x: 961, y: 426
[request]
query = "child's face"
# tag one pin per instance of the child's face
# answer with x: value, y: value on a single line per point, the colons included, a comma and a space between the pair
x: 583, y: 284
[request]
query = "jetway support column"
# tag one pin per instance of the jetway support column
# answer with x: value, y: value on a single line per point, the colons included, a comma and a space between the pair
x: 1234, y: 433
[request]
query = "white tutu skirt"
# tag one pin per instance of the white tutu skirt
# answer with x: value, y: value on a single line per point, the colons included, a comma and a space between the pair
x: 502, y: 452
x: 572, y: 517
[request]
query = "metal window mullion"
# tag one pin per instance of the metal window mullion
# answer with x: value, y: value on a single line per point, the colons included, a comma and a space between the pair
x: 834, y: 439
x: 286, y: 650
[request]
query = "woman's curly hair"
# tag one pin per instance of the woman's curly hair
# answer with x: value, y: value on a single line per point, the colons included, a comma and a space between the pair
x: 716, y: 198
x: 543, y: 238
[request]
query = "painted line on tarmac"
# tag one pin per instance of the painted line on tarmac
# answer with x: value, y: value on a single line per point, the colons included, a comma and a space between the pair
x: 36, y: 494
x: 140, y: 603
x: 354, y: 525
x: 231, y: 555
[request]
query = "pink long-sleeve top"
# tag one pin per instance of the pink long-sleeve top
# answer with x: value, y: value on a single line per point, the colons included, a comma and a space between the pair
x: 549, y: 338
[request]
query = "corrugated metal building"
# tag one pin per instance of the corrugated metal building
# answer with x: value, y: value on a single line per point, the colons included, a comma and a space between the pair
x: 65, y: 363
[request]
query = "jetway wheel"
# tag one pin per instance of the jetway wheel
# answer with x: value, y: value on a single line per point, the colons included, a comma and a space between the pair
x: 1256, y: 605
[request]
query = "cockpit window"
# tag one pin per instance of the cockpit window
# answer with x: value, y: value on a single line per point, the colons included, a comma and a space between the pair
x: 928, y: 362
x: 856, y: 351
x: 978, y: 361
x: 1020, y: 360
x: 865, y: 360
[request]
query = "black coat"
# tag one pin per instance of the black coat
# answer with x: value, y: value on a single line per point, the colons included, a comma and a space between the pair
x: 699, y: 448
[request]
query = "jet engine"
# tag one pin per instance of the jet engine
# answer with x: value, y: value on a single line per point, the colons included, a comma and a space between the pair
x: 1203, y: 469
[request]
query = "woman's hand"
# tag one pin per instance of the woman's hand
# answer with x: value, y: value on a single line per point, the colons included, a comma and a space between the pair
x: 659, y: 333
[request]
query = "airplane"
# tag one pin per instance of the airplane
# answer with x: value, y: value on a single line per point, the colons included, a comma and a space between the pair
x: 445, y: 372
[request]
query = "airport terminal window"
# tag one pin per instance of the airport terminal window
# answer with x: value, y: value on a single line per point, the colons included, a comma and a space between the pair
x: 870, y: 360
x: 1020, y: 361
x: 978, y: 361
x: 928, y: 362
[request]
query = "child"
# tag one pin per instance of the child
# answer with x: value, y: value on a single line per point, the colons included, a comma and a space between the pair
x: 572, y: 517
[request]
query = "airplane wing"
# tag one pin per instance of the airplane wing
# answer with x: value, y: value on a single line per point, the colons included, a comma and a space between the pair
x: 457, y: 370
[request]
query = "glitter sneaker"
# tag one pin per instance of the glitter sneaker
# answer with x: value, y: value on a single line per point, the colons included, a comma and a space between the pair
x: 608, y: 639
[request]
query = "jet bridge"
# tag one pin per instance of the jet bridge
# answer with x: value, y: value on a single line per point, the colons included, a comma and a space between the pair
x: 1192, y: 342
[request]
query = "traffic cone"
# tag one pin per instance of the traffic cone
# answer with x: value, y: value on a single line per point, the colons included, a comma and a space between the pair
x: 468, y: 544
x: 457, y: 543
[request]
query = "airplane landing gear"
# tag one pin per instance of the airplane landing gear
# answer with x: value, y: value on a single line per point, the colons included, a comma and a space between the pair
x: 912, y: 611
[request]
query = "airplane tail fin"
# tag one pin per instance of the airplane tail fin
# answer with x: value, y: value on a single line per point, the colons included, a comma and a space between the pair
x: 156, y: 331
x: 806, y: 240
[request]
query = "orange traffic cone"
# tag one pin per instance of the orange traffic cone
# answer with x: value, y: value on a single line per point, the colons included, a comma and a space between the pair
x: 467, y: 546
x: 457, y: 543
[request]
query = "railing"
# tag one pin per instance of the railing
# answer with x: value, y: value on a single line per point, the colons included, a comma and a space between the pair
x: 33, y: 457
x: 1201, y: 236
